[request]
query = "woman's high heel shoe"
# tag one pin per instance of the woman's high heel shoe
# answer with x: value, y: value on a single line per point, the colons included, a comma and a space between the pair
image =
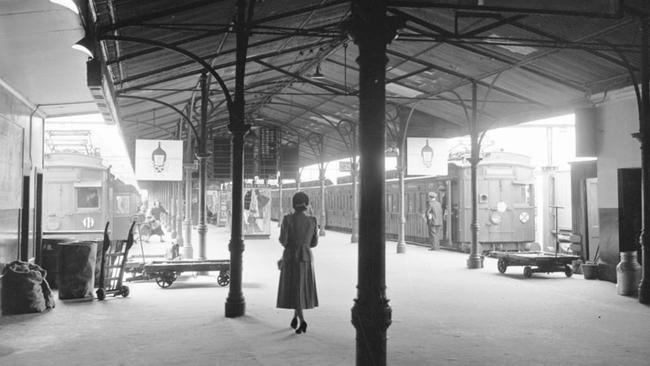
x: 294, y: 322
x: 302, y: 328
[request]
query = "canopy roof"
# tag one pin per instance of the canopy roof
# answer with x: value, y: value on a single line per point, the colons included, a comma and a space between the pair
x: 525, y: 65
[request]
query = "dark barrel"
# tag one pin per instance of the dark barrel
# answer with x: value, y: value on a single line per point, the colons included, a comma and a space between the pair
x: 50, y: 258
x: 76, y: 277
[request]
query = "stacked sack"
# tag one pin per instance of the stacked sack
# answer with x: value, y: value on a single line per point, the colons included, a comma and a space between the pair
x: 25, y: 289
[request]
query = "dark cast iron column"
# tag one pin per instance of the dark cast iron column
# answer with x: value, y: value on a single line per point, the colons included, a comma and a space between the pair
x: 321, y: 178
x: 354, y: 237
x: 235, y: 303
x: 187, y: 251
x: 401, y: 234
x: 475, y: 260
x: 179, y: 215
x: 371, y: 314
x: 401, y: 169
x: 173, y: 211
x: 644, y: 286
x: 280, y: 199
x: 178, y: 187
x: 203, y: 155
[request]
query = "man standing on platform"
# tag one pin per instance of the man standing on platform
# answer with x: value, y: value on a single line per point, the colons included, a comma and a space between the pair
x: 433, y: 215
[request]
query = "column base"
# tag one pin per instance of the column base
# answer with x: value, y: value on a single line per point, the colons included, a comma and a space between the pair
x: 371, y: 323
x: 235, y: 308
x: 475, y: 261
x: 354, y: 238
x: 401, y: 247
x: 321, y: 232
x: 187, y: 252
x: 202, y: 230
x: 187, y: 228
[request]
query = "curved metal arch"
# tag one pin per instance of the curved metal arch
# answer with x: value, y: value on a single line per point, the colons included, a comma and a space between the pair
x: 182, y: 51
x: 196, y: 133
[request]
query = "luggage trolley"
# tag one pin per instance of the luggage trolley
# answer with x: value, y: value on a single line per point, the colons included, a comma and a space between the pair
x: 114, y: 254
x: 535, y: 262
x: 166, y: 272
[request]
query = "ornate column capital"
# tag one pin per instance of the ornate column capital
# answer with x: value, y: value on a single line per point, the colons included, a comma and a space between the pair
x: 360, y: 28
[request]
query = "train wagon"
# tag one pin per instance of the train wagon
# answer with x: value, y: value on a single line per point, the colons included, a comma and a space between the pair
x: 80, y: 194
x: 506, y: 209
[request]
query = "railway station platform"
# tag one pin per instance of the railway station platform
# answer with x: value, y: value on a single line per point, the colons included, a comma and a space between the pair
x: 442, y: 314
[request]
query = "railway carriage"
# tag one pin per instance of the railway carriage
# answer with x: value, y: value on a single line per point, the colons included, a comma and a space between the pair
x: 80, y: 194
x: 506, y: 209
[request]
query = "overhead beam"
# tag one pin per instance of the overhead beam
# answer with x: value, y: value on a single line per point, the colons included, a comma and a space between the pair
x: 300, y: 77
x: 591, y: 8
x: 484, y: 52
x: 468, y: 79
x: 159, y: 14
x: 216, y: 66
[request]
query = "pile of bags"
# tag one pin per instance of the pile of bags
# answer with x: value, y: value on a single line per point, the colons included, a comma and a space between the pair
x: 25, y: 289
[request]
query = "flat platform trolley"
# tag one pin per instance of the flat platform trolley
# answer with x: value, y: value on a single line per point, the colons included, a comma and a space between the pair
x: 535, y: 262
x: 166, y: 272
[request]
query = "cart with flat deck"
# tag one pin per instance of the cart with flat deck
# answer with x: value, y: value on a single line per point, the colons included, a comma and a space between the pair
x: 534, y: 262
x: 166, y: 272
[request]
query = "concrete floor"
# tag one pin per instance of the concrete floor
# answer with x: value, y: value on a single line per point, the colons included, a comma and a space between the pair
x: 443, y: 314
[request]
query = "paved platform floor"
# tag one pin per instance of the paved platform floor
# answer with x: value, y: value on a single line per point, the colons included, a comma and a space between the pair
x: 443, y: 314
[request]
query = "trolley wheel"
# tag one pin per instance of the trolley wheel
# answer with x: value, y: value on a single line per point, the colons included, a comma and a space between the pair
x: 223, y: 279
x: 124, y: 290
x: 101, y: 294
x: 502, y: 265
x: 568, y: 271
x: 528, y: 272
x: 165, y: 279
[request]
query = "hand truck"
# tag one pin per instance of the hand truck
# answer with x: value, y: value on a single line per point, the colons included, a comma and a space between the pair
x: 114, y: 254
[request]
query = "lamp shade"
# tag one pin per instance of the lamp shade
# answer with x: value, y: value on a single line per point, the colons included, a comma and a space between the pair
x: 317, y: 75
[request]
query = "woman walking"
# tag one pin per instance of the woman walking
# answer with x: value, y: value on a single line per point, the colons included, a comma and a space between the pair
x: 297, y: 288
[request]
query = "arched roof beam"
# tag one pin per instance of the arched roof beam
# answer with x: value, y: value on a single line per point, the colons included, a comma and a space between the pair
x: 216, y: 66
x: 180, y: 113
x: 463, y: 77
x: 195, y: 58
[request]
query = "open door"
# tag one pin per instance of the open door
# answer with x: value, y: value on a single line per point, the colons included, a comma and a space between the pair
x: 593, y: 230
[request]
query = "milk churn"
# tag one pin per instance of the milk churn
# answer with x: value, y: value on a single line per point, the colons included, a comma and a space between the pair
x: 628, y: 274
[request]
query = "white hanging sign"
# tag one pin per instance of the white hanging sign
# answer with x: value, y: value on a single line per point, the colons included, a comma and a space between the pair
x: 427, y: 156
x: 159, y: 160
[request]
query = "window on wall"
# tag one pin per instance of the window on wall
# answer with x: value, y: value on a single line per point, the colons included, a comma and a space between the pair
x: 87, y: 197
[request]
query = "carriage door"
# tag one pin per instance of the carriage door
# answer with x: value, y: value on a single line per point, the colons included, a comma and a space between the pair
x: 593, y: 230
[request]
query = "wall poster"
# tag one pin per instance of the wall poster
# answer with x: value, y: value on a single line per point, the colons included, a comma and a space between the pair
x: 257, y: 212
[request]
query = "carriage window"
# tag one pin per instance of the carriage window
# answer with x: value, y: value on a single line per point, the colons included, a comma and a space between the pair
x: 87, y: 197
x: 528, y: 194
x: 122, y: 205
x: 422, y: 202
